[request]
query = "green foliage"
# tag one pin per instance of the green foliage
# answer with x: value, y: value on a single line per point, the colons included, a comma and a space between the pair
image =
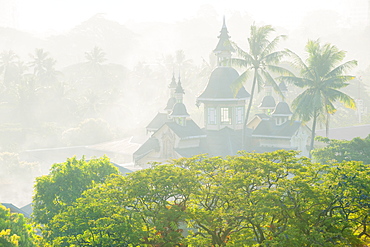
x: 357, y: 149
x: 321, y: 77
x: 65, y: 183
x: 14, y: 231
x: 269, y: 199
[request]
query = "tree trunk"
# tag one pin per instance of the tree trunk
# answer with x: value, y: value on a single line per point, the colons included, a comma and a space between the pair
x: 248, y: 110
x: 313, y: 133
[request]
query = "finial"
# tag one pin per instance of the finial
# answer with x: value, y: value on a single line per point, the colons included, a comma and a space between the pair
x: 224, y: 23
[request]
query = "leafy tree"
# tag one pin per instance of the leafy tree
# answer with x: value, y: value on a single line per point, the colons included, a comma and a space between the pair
x: 65, y: 183
x: 357, y: 149
x: 321, y: 76
x: 269, y: 199
x: 261, y: 60
x: 14, y: 231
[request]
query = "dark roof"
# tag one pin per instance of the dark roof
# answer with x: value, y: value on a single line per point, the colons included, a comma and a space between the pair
x: 173, y: 82
x: 14, y: 209
x: 179, y: 88
x: 152, y: 144
x: 224, y: 42
x: 158, y: 121
x: 221, y: 84
x: 269, y: 128
x: 268, y: 102
x: 179, y: 110
x: 282, y: 109
x: 191, y: 129
x: 170, y: 103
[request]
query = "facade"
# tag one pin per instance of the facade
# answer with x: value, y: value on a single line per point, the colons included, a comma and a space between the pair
x: 173, y: 134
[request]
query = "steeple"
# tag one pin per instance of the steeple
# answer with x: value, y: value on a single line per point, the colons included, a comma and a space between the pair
x: 224, y: 48
x: 172, y: 85
x: 179, y: 91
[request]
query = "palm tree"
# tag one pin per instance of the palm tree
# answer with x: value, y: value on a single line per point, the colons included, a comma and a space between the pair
x: 8, y: 61
x: 38, y: 61
x: 95, y: 58
x: 321, y: 76
x: 261, y: 60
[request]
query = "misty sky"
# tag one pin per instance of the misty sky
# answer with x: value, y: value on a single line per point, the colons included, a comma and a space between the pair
x: 61, y: 15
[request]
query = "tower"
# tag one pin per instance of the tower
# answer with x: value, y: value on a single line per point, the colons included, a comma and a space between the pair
x: 224, y: 102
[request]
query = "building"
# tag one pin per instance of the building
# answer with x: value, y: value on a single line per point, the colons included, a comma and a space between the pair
x: 173, y: 134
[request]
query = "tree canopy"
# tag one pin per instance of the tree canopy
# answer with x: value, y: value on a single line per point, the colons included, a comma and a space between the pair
x: 269, y: 199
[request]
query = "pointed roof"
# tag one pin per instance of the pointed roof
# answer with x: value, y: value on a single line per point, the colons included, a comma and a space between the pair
x: 179, y: 88
x: 268, y: 102
x: 220, y: 86
x: 179, y: 110
x: 173, y: 82
x: 157, y: 122
x: 282, y: 110
x: 170, y: 103
x: 223, y: 42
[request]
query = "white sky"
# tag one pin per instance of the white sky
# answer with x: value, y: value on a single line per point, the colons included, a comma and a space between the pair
x: 61, y: 15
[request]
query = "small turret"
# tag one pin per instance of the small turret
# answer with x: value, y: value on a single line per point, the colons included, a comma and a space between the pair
x: 281, y: 113
x: 224, y: 48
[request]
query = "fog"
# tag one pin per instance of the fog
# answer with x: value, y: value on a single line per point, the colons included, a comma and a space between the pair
x: 82, y: 73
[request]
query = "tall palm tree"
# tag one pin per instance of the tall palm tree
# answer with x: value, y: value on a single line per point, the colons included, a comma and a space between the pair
x: 38, y: 61
x: 8, y: 61
x: 321, y: 75
x: 261, y: 60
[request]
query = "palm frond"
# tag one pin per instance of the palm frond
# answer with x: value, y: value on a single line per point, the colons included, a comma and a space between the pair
x: 271, y: 81
x: 339, y: 70
x: 280, y: 70
x: 272, y: 45
x: 238, y: 83
x: 238, y: 62
x: 336, y: 95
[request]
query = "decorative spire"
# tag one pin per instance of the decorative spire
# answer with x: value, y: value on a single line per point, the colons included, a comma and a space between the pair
x: 173, y: 82
x: 179, y: 89
x: 224, y: 48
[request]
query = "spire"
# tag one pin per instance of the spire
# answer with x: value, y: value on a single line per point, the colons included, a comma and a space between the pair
x: 173, y: 81
x: 224, y: 48
x: 179, y: 89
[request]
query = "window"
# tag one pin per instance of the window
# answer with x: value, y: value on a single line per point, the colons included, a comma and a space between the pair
x: 226, y: 115
x: 212, y: 116
x: 239, y: 115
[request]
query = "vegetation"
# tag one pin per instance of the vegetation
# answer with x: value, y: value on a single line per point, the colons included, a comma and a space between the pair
x: 65, y: 183
x: 15, y: 231
x: 321, y: 77
x: 269, y: 199
x: 262, y: 59
x: 357, y: 149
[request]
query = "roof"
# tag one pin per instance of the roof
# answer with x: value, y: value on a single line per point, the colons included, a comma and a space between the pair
x: 282, y: 109
x: 179, y: 110
x: 189, y: 130
x: 170, y: 103
x: 224, y: 42
x: 152, y: 144
x: 268, y: 128
x: 158, y: 121
x: 221, y: 86
x: 124, y: 146
x: 268, y: 102
x: 173, y: 82
x: 346, y: 133
x: 179, y: 88
x: 15, y: 209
